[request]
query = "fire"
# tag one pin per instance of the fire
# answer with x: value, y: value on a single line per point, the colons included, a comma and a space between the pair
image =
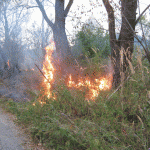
x: 48, y: 69
x: 94, y: 86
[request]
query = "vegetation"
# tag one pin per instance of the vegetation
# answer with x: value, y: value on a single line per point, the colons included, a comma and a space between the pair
x: 116, y: 120
x: 92, y: 40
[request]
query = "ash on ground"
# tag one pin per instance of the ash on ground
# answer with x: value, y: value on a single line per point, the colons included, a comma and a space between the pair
x: 18, y: 87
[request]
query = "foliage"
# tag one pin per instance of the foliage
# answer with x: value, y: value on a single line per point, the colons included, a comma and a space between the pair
x: 91, y: 38
x: 119, y: 121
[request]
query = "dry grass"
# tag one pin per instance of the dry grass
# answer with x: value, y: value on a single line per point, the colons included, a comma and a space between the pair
x: 70, y: 122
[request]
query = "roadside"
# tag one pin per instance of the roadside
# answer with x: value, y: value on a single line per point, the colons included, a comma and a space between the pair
x: 13, y: 137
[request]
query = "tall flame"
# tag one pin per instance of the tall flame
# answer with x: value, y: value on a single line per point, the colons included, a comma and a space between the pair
x: 48, y: 69
x: 94, y: 86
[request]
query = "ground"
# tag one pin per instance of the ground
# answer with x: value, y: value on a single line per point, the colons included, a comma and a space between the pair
x: 13, y: 137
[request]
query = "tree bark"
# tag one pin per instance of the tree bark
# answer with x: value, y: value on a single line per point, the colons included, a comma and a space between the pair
x: 126, y: 37
x: 59, y: 33
x: 60, y: 37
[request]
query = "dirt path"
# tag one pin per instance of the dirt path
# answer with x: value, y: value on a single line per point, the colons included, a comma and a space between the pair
x: 12, y: 137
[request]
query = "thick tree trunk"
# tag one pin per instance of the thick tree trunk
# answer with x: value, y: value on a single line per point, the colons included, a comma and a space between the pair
x: 126, y: 37
x: 60, y: 37
x: 125, y: 42
x: 59, y: 33
x: 61, y: 43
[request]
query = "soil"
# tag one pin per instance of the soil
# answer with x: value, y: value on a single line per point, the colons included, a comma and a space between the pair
x: 12, y: 136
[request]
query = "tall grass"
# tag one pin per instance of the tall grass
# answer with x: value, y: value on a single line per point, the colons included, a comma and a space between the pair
x: 71, y: 122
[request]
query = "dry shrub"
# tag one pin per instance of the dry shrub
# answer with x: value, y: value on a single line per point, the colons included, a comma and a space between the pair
x: 32, y: 79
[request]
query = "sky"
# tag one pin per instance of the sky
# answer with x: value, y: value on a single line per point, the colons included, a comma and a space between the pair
x: 84, y: 11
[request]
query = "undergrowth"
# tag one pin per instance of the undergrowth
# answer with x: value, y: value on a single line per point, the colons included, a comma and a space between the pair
x: 120, y: 122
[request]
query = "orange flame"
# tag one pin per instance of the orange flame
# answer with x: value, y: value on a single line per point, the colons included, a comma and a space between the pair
x: 48, y: 69
x: 94, y: 86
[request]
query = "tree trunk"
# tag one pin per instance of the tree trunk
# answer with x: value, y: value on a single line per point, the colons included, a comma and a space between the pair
x: 126, y: 37
x: 59, y: 33
x: 60, y: 37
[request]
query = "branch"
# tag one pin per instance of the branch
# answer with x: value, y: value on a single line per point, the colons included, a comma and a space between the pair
x: 68, y: 8
x: 117, y: 88
x: 111, y: 20
x: 146, y: 50
x: 50, y: 23
x: 31, y: 6
x: 26, y: 6
x: 42, y: 73
x: 137, y: 20
x: 143, y: 32
x: 109, y: 96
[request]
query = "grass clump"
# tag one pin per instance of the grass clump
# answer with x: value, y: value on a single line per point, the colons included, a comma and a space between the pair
x: 71, y: 122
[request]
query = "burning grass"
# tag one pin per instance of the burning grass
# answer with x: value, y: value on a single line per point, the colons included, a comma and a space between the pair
x: 75, y: 77
x: 70, y: 122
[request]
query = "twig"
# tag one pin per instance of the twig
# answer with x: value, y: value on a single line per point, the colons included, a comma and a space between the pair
x: 142, y: 27
x: 48, y: 81
x: 145, y: 49
x: 141, y: 14
x: 42, y: 73
x: 120, y: 85
x: 118, y: 88
x: 68, y: 119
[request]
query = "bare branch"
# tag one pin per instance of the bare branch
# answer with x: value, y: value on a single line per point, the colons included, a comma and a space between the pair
x: 31, y: 6
x: 146, y: 50
x: 68, y: 8
x: 42, y: 73
x: 26, y: 6
x: 50, y: 23
x: 137, y: 20
x: 143, y: 32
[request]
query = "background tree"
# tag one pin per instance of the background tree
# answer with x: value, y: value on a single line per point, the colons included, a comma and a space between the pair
x: 11, y: 19
x: 35, y: 50
x: 58, y: 27
x: 125, y: 42
x: 92, y: 40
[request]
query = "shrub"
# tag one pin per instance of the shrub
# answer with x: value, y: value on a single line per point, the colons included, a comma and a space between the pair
x: 91, y: 39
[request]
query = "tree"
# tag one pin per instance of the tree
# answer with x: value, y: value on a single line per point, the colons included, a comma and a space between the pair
x: 90, y: 37
x: 125, y: 42
x: 11, y: 19
x: 35, y: 52
x: 58, y: 27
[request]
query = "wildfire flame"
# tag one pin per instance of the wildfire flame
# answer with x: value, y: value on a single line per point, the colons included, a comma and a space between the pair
x: 94, y: 86
x: 48, y: 69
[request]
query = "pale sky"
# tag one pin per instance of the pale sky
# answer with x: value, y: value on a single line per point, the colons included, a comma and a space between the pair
x: 97, y: 11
